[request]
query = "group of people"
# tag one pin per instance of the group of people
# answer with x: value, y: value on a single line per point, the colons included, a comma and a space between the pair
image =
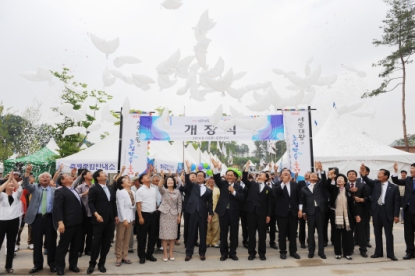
x: 88, y: 214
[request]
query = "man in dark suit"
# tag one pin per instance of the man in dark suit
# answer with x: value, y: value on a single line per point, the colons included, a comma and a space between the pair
x: 359, y: 193
x: 200, y: 208
x: 67, y: 216
x: 272, y: 224
x: 258, y: 208
x: 314, y: 201
x: 368, y: 207
x: 302, y: 222
x: 408, y: 209
x: 228, y: 207
x: 385, y: 210
x: 101, y: 202
x: 186, y: 216
x: 287, y: 196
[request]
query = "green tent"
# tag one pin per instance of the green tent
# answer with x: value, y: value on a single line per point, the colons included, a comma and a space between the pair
x: 42, y: 161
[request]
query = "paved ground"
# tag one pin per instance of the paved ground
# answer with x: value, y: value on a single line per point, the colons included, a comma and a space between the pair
x: 212, y: 265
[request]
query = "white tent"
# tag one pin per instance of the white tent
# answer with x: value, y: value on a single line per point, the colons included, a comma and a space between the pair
x: 102, y: 155
x: 53, y: 146
x: 338, y: 144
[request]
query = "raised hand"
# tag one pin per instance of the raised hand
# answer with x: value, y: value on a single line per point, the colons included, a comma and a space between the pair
x: 214, y: 162
x: 395, y: 167
x: 363, y: 169
x: 61, y: 167
x: 73, y: 171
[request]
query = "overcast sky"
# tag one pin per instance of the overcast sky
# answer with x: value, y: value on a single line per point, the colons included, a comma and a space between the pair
x: 250, y: 35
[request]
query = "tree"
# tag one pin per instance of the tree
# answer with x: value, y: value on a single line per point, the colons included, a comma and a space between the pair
x: 71, y: 144
x: 398, y: 32
x: 6, y: 146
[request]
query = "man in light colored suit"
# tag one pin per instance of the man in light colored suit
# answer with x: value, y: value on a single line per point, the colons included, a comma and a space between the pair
x: 39, y: 215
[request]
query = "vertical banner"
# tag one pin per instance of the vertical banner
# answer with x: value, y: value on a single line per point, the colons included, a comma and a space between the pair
x: 133, y: 151
x: 298, y: 141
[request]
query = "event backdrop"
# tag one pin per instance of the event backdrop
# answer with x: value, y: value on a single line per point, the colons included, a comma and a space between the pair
x: 133, y: 151
x: 298, y: 141
x: 200, y: 129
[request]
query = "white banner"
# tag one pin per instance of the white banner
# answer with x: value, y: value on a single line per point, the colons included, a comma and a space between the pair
x: 298, y: 141
x: 177, y: 128
x: 133, y: 151
x: 166, y: 166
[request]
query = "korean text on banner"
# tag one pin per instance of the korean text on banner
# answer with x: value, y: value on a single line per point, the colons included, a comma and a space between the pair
x: 152, y: 128
x: 298, y: 140
x: 133, y: 151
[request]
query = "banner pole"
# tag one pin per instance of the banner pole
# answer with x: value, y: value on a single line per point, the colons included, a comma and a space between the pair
x: 120, y: 142
x: 310, y: 126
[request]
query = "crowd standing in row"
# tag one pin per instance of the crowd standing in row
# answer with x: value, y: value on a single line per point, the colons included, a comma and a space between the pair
x: 151, y: 205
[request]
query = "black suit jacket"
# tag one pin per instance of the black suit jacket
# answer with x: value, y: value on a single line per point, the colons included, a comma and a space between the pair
x: 204, y: 202
x: 334, y: 192
x: 319, y: 195
x: 66, y: 208
x: 285, y: 201
x: 409, y: 195
x: 361, y: 186
x: 226, y: 198
x: 258, y: 202
x: 392, y: 198
x: 98, y: 202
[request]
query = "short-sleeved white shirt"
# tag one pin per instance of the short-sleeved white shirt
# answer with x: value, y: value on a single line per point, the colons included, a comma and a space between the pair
x: 147, y: 197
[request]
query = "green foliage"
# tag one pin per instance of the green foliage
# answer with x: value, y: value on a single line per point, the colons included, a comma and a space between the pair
x: 401, y: 141
x: 71, y: 144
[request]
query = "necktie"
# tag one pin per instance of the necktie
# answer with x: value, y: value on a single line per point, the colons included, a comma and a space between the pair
x: 44, y: 202
x: 351, y: 187
x: 76, y: 194
x: 106, y: 192
x: 380, y: 200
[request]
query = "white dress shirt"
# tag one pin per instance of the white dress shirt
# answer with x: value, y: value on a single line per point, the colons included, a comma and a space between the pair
x: 202, y: 189
x: 148, y: 198
x: 384, y: 188
x: 106, y: 190
x: 7, y: 211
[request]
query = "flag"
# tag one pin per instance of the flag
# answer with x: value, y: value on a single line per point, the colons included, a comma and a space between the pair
x: 230, y: 159
x: 270, y: 147
x: 208, y: 147
x: 223, y: 149
x: 262, y: 162
x: 218, y: 146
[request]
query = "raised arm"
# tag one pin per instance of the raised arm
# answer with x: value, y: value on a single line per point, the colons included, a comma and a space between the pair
x: 57, y: 173
x: 161, y: 182
x: 245, y: 180
x: 26, y: 184
x: 368, y: 181
x: 3, y: 186
x: 400, y: 182
x: 216, y: 176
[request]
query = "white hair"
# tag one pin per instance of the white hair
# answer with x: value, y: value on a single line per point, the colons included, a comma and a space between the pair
x: 48, y: 174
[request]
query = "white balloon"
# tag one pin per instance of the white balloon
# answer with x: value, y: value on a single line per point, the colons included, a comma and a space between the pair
x: 182, y: 69
x: 74, y: 130
x: 205, y: 23
x: 181, y: 90
x: 43, y: 73
x: 66, y: 108
x: 202, y: 45
x: 216, y: 71
x: 143, y: 79
x: 107, y: 116
x: 126, y: 107
x: 107, y: 47
x: 309, y: 60
x: 194, y: 67
x: 226, y: 124
x: 117, y: 74
x: 239, y: 75
x: 261, y: 105
x: 172, y: 4
x: 235, y: 113
x: 94, y: 127
x: 107, y: 78
x: 352, y: 68
x: 120, y: 61
x: 216, y: 116
x: 195, y: 93
x: 165, y: 118
x: 128, y: 80
x: 164, y: 85
x: 257, y: 96
x: 30, y: 75
x: 75, y: 115
x: 237, y: 93
x: 223, y: 84
x: 314, y: 76
x: 173, y: 60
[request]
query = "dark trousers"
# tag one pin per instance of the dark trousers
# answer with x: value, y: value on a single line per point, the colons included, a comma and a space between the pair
x: 197, y: 222
x: 232, y: 227
x: 101, y: 242
x: 367, y: 223
x: 328, y: 217
x: 148, y: 229
x: 72, y: 236
x: 343, y: 242
x: 178, y: 229
x: 87, y: 232
x: 158, y: 241
x: 381, y: 221
x: 256, y: 223
x: 360, y: 233
x: 409, y: 229
x: 301, y: 231
x: 272, y: 229
x: 9, y: 228
x: 287, y: 227
x: 186, y: 217
x: 244, y: 226
x: 43, y: 224
x: 19, y: 233
x: 313, y: 222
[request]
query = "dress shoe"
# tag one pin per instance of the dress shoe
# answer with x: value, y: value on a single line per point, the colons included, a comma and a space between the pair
x: 142, y: 260
x: 74, y: 269
x: 303, y: 245
x: 35, y: 269
x: 273, y: 246
x: 376, y: 256
x: 251, y: 257
x: 262, y: 257
x: 60, y: 272
x: 131, y: 251
x: 202, y: 258
x: 393, y: 258
x: 188, y: 258
x: 408, y: 257
x: 223, y: 257
x: 348, y: 258
x: 151, y: 258
x: 79, y: 254
x: 102, y: 269
x: 310, y: 255
x: 363, y: 254
x: 295, y: 256
x: 322, y: 255
x: 233, y: 257
x: 52, y: 269
x: 90, y: 270
x: 283, y: 256
x: 369, y: 245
